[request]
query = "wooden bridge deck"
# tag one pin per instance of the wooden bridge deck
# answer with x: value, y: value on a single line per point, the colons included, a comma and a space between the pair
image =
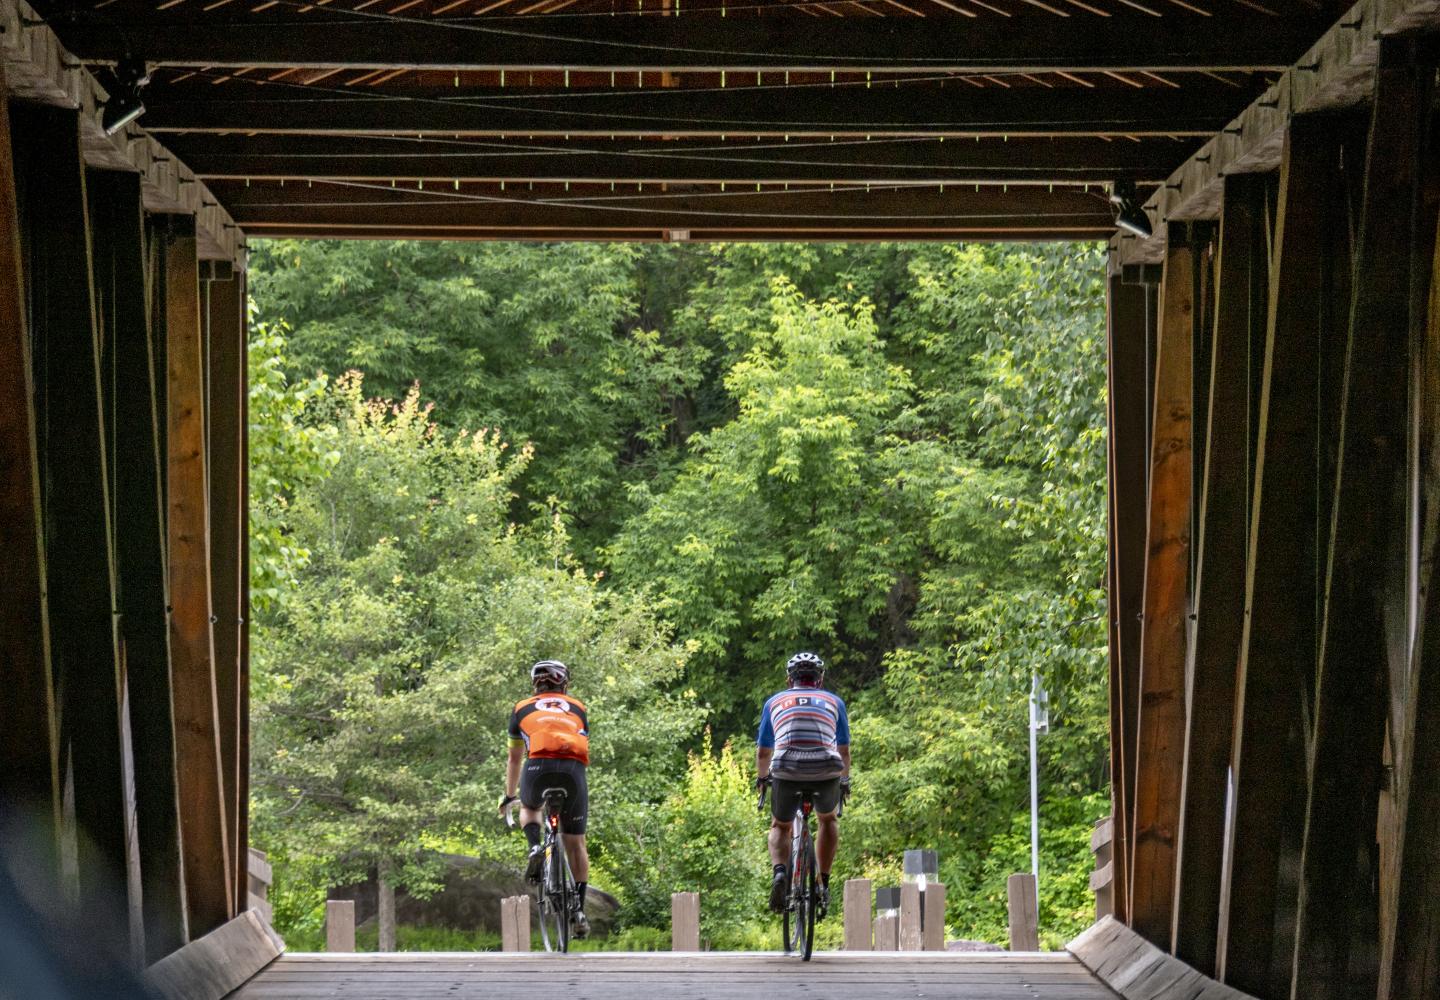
x: 679, y: 976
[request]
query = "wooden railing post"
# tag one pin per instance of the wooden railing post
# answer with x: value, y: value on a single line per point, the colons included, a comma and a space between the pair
x: 340, y: 925
x: 1024, y: 918
x: 910, y: 936
x: 685, y: 921
x: 515, y: 923
x: 934, y: 913
x: 1102, y: 879
x: 857, y: 915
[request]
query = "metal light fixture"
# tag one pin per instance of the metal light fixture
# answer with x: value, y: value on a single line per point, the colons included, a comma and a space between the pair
x: 1129, y: 216
x: 125, y: 105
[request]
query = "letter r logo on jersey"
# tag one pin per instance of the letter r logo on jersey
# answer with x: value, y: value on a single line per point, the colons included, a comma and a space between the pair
x: 552, y: 705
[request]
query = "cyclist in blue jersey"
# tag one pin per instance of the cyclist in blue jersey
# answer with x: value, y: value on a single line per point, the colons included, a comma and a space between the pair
x: 803, y: 745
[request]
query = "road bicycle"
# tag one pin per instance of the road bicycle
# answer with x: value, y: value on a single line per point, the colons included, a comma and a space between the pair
x: 802, y: 900
x: 555, y: 894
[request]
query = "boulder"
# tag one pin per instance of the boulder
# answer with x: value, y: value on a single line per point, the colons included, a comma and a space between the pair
x: 469, y: 898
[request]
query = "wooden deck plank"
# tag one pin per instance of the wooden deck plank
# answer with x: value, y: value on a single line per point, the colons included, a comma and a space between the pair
x: 715, y: 976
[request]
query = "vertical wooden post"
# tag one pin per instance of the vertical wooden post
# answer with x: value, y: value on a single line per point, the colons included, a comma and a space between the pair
x: 887, y: 933
x: 515, y: 923
x: 934, y: 936
x: 1024, y: 916
x: 910, y: 936
x: 857, y: 914
x: 340, y: 925
x: 205, y: 832
x: 1219, y: 592
x: 1413, y: 954
x: 1163, y: 630
x: 685, y: 921
x: 29, y: 755
x: 1128, y: 332
x: 1277, y: 658
x: 1335, y: 947
x: 76, y: 502
x: 140, y: 550
x: 1102, y: 879
x: 227, y: 383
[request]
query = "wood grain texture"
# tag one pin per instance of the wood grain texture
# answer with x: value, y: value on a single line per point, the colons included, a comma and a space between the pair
x: 214, y: 965
x: 204, y: 831
x: 1024, y: 916
x: 227, y: 387
x: 29, y: 754
x: 72, y: 439
x: 1336, y: 944
x: 1277, y: 659
x: 1163, y: 634
x: 1218, y: 604
x: 1413, y: 966
x: 685, y: 921
x: 859, y: 893
x: 709, y: 975
x: 1137, y: 970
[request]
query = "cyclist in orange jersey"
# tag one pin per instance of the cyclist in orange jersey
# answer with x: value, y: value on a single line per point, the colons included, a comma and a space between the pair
x: 550, y: 748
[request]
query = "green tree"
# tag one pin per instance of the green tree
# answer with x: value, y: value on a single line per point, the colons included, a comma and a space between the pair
x: 391, y: 667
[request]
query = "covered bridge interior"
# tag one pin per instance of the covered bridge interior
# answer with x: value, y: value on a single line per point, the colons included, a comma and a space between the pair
x: 1274, y: 372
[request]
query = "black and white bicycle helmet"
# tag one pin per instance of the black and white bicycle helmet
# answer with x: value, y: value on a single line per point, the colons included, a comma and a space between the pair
x: 805, y: 666
x: 551, y: 673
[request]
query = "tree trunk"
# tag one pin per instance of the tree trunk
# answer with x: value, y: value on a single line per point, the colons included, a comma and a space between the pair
x: 386, y: 919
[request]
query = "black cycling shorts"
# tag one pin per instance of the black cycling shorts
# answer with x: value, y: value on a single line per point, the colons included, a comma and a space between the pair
x: 540, y: 773
x: 785, y: 796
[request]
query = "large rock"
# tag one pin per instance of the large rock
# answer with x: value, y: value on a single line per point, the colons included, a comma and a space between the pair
x: 469, y: 899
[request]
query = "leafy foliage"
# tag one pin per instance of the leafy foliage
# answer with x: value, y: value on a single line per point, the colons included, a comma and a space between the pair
x: 893, y: 454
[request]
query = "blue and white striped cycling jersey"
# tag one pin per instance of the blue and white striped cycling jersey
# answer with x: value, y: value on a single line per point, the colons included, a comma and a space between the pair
x: 806, y: 728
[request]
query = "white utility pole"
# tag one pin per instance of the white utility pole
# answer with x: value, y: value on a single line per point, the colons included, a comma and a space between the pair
x: 1035, y: 785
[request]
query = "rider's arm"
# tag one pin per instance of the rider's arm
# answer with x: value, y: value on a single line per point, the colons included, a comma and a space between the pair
x: 512, y: 769
x: 845, y: 759
x: 764, y: 743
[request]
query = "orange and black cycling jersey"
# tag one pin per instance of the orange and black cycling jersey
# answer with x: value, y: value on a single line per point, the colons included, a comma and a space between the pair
x: 552, y: 725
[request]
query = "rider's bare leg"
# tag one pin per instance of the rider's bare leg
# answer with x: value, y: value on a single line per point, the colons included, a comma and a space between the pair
x: 579, y: 856
x: 827, y: 839
x: 528, y: 816
x: 780, y: 842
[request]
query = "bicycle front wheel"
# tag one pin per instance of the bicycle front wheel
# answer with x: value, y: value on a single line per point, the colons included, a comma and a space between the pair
x: 810, y: 901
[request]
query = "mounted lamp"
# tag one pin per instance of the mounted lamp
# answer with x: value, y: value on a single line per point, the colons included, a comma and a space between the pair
x: 1129, y: 216
x: 124, y: 104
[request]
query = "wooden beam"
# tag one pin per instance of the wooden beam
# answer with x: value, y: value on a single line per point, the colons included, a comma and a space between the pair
x: 1218, y: 605
x: 1163, y: 628
x: 40, y: 70
x: 1034, y: 43
x: 227, y: 382
x: 873, y: 161
x: 209, y: 887
x: 29, y: 756
x: 121, y: 258
x: 219, y: 963
x: 1334, y: 73
x: 1127, y: 338
x: 1335, y: 954
x: 79, y: 572
x: 661, y: 234
x: 1137, y: 970
x: 1277, y: 648
x: 1413, y: 958
x: 953, y: 111
x: 330, y: 207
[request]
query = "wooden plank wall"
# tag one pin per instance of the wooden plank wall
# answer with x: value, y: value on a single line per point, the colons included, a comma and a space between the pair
x: 1267, y: 845
x: 123, y: 643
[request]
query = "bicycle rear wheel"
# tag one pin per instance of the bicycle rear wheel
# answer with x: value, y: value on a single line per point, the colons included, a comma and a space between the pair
x: 558, y: 896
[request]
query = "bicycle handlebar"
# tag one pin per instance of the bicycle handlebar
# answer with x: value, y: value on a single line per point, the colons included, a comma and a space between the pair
x: 509, y: 812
